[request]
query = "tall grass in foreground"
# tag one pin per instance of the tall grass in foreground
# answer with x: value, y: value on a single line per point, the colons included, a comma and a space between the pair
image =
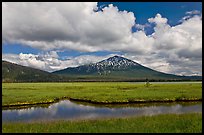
x: 168, y: 123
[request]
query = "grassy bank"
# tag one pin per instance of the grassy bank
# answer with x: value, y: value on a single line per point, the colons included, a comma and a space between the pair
x: 168, y: 123
x: 107, y: 92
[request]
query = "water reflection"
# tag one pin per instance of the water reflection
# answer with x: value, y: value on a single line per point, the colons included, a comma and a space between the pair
x: 67, y: 110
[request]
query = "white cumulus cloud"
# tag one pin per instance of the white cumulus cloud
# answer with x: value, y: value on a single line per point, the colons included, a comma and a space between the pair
x: 66, y: 25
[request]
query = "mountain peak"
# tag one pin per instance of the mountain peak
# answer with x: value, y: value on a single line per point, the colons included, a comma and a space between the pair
x: 119, y: 58
x: 117, y: 62
x: 116, y: 57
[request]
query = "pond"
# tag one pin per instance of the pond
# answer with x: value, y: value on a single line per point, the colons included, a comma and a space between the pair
x: 67, y: 110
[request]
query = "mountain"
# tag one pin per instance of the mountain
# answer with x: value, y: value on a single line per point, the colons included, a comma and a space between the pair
x: 118, y: 68
x: 16, y: 73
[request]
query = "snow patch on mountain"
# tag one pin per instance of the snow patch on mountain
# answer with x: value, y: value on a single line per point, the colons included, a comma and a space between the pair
x: 110, y: 64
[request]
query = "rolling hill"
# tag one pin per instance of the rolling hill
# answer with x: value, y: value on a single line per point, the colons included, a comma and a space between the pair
x: 16, y: 73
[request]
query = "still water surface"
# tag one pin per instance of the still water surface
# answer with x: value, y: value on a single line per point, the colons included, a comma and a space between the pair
x: 67, y: 110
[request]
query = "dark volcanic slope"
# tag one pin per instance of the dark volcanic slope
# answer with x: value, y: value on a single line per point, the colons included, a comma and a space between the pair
x: 116, y: 67
x: 16, y: 73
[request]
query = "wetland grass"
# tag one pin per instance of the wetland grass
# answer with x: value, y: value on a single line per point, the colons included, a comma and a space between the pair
x: 165, y: 123
x: 97, y: 92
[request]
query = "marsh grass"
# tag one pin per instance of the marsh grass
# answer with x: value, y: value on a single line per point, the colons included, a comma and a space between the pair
x: 106, y: 92
x: 166, y: 123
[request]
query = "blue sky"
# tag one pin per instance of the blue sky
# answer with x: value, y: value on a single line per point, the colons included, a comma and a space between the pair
x: 174, y: 11
x: 19, y: 41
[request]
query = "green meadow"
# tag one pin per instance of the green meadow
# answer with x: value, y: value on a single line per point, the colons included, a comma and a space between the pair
x: 98, y: 92
x: 104, y: 92
x: 166, y: 123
